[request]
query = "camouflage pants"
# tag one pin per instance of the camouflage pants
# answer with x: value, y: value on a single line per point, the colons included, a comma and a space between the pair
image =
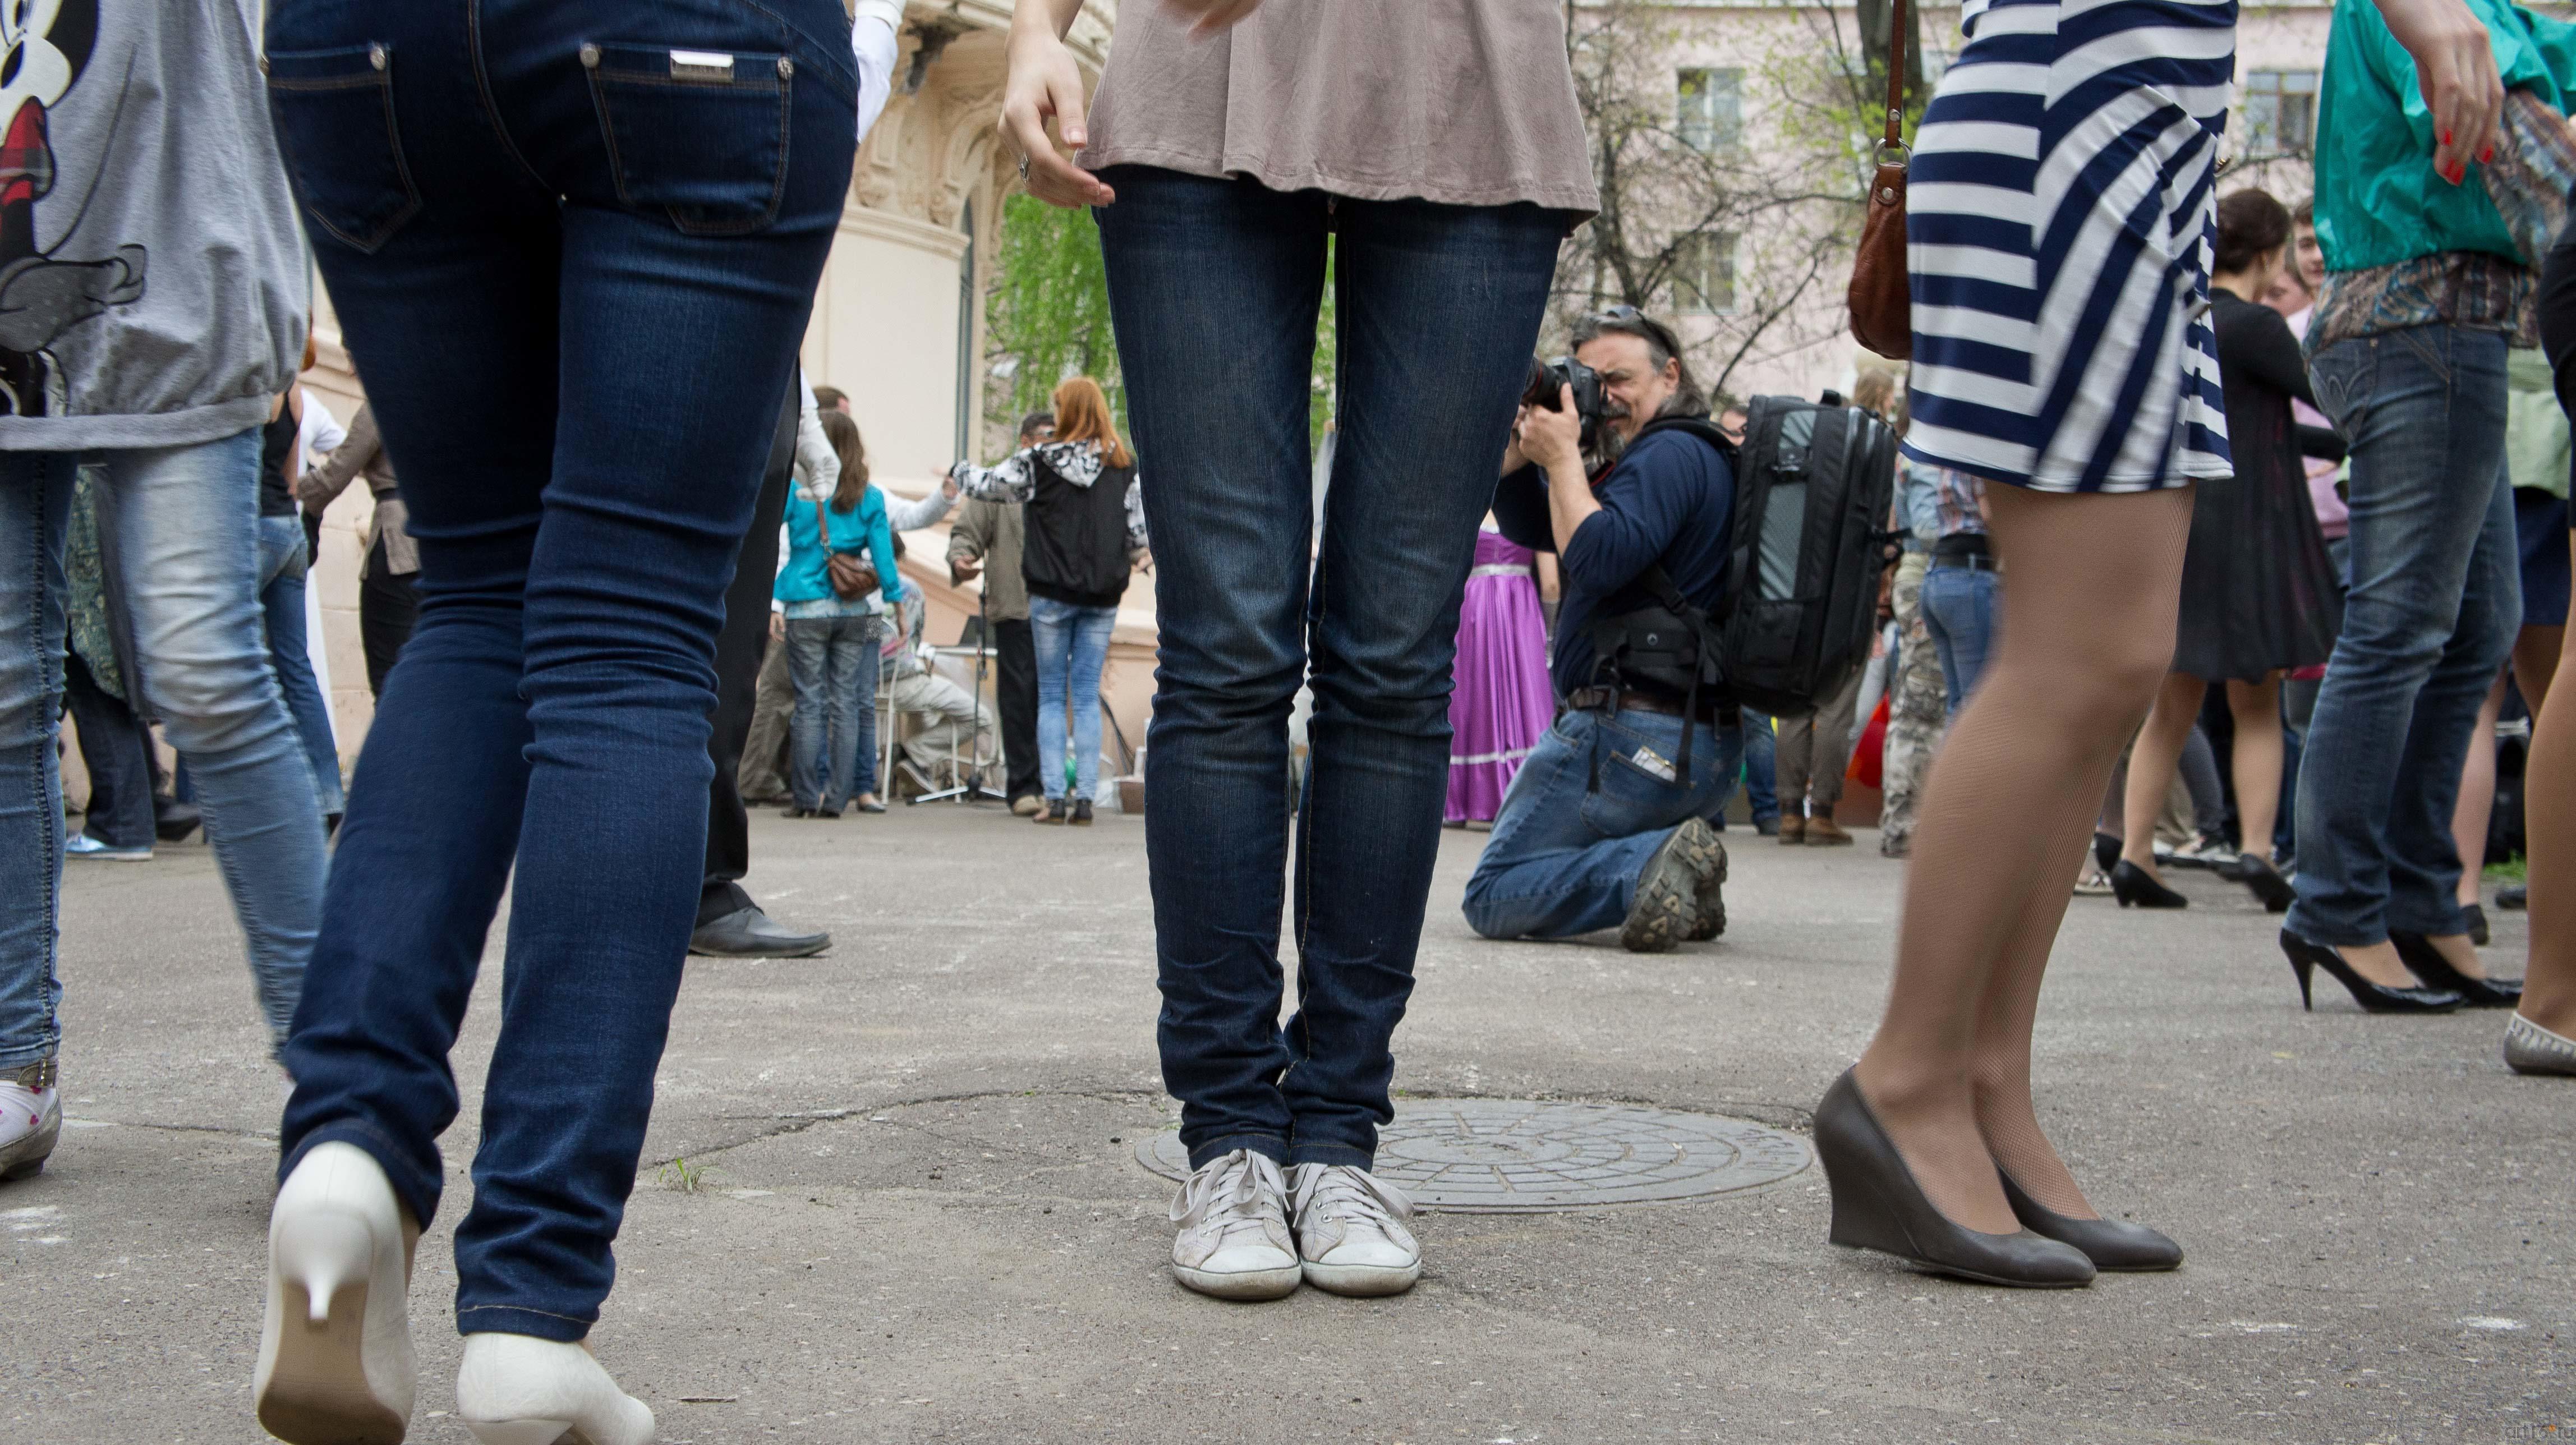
x: 1916, y: 711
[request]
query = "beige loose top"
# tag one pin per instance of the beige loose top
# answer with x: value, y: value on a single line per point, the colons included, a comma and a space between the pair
x: 1465, y: 102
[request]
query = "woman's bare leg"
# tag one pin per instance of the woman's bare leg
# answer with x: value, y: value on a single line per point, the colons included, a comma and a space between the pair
x: 2259, y: 758
x: 2549, y: 824
x: 2091, y: 587
x: 2477, y: 795
x: 2151, y: 766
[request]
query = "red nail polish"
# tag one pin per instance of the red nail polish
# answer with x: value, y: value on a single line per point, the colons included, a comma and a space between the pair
x: 2446, y: 137
x: 2486, y: 155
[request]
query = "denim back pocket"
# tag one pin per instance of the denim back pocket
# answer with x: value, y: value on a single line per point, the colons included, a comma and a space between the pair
x: 2342, y: 376
x: 700, y: 135
x: 334, y: 114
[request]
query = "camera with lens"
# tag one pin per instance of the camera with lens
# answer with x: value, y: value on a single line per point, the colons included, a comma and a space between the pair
x: 1545, y: 389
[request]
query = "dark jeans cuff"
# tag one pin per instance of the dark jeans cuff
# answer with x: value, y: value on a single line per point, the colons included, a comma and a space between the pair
x: 518, y: 1320
x: 420, y: 1197
x: 2436, y: 920
x: 1270, y: 1145
x: 1331, y: 1154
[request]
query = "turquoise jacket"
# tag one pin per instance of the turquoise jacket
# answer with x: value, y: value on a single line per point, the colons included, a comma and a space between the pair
x: 861, y: 529
x: 2379, y: 200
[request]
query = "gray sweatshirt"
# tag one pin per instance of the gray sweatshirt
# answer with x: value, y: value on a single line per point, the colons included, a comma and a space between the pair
x: 153, y: 285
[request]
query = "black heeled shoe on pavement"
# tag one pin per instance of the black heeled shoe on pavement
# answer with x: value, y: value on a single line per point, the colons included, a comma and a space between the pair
x: 2375, y: 998
x: 2106, y: 851
x: 1878, y: 1205
x: 2265, y: 881
x: 2135, y: 887
x: 2110, y: 1244
x: 2427, y: 963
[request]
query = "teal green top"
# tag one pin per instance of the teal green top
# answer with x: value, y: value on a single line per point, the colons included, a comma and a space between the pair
x: 861, y: 529
x: 2379, y: 200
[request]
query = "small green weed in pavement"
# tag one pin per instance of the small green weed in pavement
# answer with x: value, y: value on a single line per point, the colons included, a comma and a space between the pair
x: 2511, y: 870
x: 684, y: 1176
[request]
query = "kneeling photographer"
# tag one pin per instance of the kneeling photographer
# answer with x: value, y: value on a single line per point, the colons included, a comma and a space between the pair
x: 1606, y: 822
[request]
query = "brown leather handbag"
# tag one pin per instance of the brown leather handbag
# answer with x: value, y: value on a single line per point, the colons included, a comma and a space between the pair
x: 1881, y: 301
x: 852, y: 575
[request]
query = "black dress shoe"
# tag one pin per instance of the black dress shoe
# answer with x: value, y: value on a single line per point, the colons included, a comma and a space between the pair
x: 2130, y: 1248
x: 1877, y: 1205
x: 2427, y: 963
x: 173, y: 820
x: 2513, y: 897
x: 793, y: 811
x: 2135, y: 887
x: 750, y: 933
x: 2375, y: 997
x: 2106, y: 851
x: 2476, y: 919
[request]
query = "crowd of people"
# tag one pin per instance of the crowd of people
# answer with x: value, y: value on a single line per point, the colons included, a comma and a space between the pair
x: 600, y: 625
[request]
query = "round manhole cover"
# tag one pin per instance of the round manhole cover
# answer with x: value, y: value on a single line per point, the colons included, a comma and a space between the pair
x: 1506, y: 1156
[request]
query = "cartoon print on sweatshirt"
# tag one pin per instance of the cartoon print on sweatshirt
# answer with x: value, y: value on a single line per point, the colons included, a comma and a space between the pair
x: 47, y: 46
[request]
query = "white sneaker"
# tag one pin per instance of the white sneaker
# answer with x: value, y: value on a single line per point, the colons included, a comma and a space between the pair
x: 1351, y: 1234
x: 521, y: 1390
x: 335, y: 1363
x: 82, y: 845
x: 31, y: 1119
x: 1234, y: 1241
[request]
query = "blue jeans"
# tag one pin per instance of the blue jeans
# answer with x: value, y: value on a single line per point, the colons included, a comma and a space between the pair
x: 1761, y: 769
x: 1565, y: 854
x: 576, y: 292
x: 180, y: 527
x: 1959, y: 608
x: 282, y: 565
x: 833, y: 663
x: 2435, y: 600
x: 1072, y: 645
x: 1438, y: 309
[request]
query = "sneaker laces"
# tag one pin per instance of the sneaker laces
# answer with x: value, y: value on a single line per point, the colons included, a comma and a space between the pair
x: 1230, y: 1198
x: 1351, y: 1195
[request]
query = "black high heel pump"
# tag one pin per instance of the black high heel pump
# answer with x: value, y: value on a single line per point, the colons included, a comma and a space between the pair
x: 2135, y: 887
x: 2374, y: 997
x: 2265, y: 881
x: 2428, y: 964
x: 1878, y: 1205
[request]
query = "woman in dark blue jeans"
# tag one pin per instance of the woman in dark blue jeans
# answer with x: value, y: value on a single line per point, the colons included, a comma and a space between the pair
x: 1225, y: 166
x: 577, y: 244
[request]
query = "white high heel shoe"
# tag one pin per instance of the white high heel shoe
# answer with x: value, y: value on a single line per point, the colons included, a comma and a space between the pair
x: 521, y: 1390
x: 335, y: 1363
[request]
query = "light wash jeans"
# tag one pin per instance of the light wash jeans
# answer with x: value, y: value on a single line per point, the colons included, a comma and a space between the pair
x: 181, y: 527
x: 1072, y: 647
x: 283, y: 563
x: 832, y: 663
x: 2435, y: 600
x: 1959, y: 610
x: 1566, y: 851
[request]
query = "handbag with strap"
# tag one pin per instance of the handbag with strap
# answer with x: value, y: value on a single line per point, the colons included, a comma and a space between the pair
x: 1882, y: 305
x: 852, y: 575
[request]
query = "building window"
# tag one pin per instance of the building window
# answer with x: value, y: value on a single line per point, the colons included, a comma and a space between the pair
x: 1704, y: 274
x: 1709, y: 109
x: 2280, y: 112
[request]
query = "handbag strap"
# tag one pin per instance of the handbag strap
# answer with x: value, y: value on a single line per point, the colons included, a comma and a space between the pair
x: 1896, y: 29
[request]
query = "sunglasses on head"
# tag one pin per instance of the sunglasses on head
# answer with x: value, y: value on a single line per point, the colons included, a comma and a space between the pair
x: 1631, y: 316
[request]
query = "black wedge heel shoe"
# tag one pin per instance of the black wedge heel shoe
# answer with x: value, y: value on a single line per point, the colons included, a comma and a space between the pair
x: 2264, y: 881
x: 2374, y: 997
x: 2135, y: 887
x: 1877, y: 1205
x: 2428, y: 964
x: 2110, y: 1244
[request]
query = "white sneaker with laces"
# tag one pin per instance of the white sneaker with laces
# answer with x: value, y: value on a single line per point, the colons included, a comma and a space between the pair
x: 1350, y: 1231
x: 1234, y: 1241
x: 521, y: 1390
x: 31, y: 1119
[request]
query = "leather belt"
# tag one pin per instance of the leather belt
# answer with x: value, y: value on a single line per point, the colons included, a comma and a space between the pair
x: 1602, y: 699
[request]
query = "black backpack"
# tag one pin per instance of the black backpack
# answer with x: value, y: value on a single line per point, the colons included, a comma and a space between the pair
x: 1805, y: 548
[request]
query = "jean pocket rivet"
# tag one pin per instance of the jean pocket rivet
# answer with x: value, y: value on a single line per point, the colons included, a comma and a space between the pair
x: 376, y: 56
x: 590, y: 57
x: 786, y: 67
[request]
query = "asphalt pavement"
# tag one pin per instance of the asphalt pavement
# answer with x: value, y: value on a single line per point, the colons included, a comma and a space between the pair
x: 892, y: 1194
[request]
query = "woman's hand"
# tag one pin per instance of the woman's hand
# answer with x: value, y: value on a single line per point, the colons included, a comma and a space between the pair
x: 2455, y: 66
x: 1207, y: 17
x: 1044, y: 85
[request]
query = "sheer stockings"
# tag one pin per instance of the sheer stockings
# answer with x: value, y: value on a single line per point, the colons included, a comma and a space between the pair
x: 2549, y: 819
x: 2092, y: 585
x: 2255, y: 762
